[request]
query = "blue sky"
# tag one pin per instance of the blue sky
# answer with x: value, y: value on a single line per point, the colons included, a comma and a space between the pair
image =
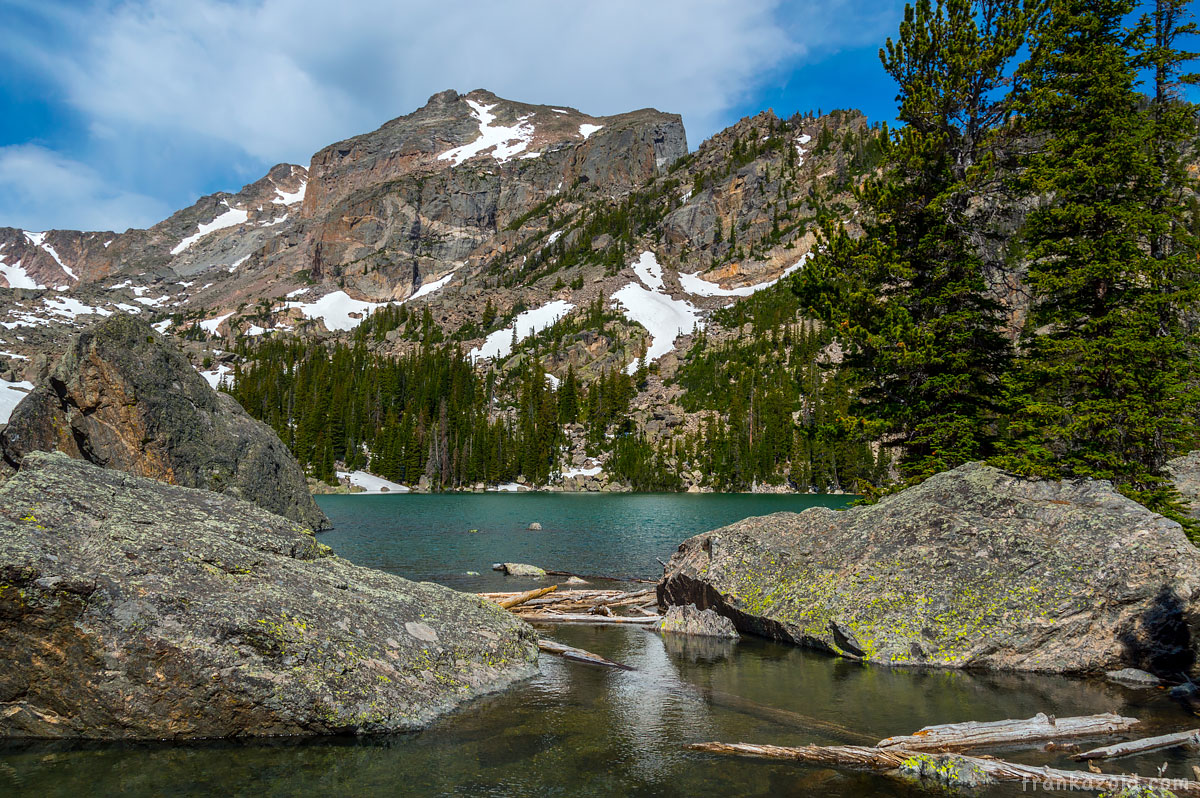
x: 115, y: 113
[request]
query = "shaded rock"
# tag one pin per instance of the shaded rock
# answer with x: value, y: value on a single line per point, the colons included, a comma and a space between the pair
x: 1134, y: 677
x: 521, y: 569
x: 134, y: 609
x: 973, y: 568
x: 123, y: 398
x: 688, y: 620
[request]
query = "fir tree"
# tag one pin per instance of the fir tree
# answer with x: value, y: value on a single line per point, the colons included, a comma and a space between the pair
x: 908, y: 298
x: 1102, y: 389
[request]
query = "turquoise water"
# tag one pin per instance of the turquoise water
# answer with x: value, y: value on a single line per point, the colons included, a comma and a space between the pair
x: 580, y: 730
x: 429, y: 537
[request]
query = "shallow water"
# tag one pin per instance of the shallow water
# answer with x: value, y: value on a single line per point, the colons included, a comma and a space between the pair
x: 580, y: 730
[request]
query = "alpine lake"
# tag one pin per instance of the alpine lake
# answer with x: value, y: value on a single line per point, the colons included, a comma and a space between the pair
x: 579, y: 730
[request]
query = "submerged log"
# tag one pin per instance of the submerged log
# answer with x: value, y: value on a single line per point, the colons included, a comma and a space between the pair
x: 1038, y: 729
x: 1189, y: 738
x: 893, y: 760
x: 580, y: 655
x: 521, y: 598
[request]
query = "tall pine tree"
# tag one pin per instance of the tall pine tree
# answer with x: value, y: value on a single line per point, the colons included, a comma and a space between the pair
x: 908, y: 298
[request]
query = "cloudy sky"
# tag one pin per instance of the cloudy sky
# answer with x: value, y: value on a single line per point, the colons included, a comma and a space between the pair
x: 114, y: 113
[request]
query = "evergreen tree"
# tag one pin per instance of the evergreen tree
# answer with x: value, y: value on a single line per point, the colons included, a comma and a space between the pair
x: 1102, y: 388
x: 908, y: 298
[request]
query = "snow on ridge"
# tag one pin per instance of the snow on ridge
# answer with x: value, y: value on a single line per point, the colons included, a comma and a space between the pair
x: 234, y: 266
x: 429, y: 288
x: 39, y: 240
x: 649, y: 271
x: 586, y: 130
x: 505, y: 142
x: 338, y: 310
x: 698, y: 286
x: 230, y: 218
x: 371, y: 483
x: 663, y: 317
x: 499, y: 344
x: 290, y: 198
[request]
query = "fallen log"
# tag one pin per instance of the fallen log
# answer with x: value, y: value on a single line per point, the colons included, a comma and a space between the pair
x: 1038, y: 729
x: 783, y: 717
x: 1189, y: 738
x: 580, y: 655
x: 521, y: 598
x: 600, y: 620
x: 897, y: 759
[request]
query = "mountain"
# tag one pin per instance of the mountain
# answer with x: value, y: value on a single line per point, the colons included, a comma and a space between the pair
x: 595, y: 251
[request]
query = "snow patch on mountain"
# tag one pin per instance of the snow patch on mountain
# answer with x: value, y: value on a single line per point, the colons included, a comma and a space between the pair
x: 371, y: 483
x: 290, y: 198
x: 499, y: 344
x: 649, y: 271
x: 15, y: 274
x: 338, y: 310
x: 663, y: 317
x: 505, y: 142
x: 210, y: 325
x: 586, y: 130
x: 230, y: 218
x: 11, y: 394
x: 214, y: 376
x: 429, y: 288
x: 39, y: 240
x: 698, y: 286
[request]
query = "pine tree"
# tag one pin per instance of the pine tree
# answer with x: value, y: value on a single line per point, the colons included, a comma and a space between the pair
x: 1102, y: 388
x: 908, y: 298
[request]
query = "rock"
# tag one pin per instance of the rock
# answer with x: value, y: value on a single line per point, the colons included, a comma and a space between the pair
x: 575, y: 580
x: 1185, y: 471
x: 124, y: 398
x: 687, y: 620
x: 1134, y: 677
x: 133, y: 609
x: 535, y: 527
x: 521, y: 569
x: 973, y: 568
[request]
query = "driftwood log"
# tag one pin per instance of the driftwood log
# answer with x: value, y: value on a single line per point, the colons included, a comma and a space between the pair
x: 1189, y: 738
x: 580, y: 655
x: 528, y: 595
x: 1038, y: 729
x: 580, y: 618
x: 893, y: 759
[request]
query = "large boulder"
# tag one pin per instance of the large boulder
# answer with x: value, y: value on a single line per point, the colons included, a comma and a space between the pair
x: 133, y: 609
x: 1185, y: 472
x: 974, y: 568
x: 124, y: 398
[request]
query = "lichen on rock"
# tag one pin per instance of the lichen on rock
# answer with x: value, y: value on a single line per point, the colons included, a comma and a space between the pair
x: 973, y: 568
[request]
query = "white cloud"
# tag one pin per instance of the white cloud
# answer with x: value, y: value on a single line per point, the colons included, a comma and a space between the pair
x: 40, y: 189
x: 275, y: 80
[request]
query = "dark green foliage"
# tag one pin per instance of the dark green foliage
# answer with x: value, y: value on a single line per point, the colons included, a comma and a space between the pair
x: 1104, y: 385
x: 783, y: 411
x: 907, y: 298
